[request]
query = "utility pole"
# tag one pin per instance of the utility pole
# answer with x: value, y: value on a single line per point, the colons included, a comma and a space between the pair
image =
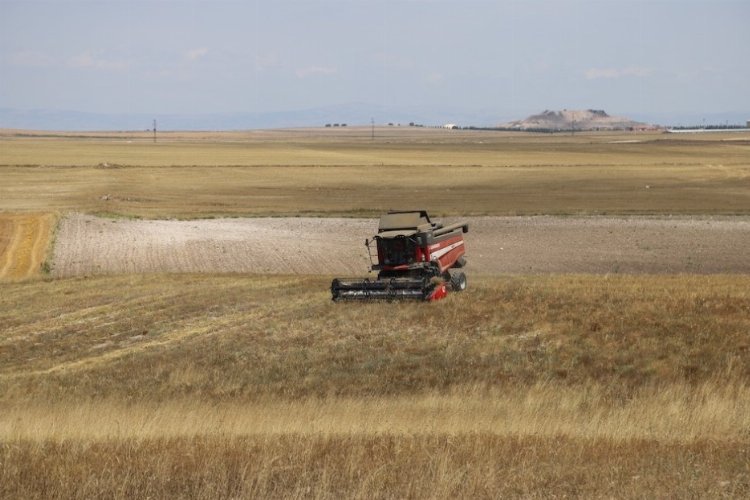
x: 372, y: 136
x: 154, y: 131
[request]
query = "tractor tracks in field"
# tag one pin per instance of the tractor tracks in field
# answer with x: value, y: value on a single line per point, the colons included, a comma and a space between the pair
x: 88, y: 245
x: 142, y: 318
x: 109, y: 352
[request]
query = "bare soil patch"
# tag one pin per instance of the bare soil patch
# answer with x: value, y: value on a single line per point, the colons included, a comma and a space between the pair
x: 495, y: 245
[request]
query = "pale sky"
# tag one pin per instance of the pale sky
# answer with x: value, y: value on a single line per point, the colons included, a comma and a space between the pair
x: 510, y: 57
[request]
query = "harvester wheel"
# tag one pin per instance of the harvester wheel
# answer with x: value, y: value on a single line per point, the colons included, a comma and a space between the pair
x: 458, y: 281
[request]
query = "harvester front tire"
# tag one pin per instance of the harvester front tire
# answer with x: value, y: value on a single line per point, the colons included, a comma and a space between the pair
x: 458, y: 281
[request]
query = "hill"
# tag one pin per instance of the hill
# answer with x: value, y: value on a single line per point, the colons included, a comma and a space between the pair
x: 569, y: 119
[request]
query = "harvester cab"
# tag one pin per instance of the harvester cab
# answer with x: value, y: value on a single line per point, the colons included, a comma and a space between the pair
x: 414, y: 257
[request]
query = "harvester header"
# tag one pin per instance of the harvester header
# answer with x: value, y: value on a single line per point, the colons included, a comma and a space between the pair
x: 415, y: 258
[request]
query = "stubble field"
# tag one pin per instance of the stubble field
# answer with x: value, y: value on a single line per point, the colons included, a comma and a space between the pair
x: 240, y: 386
x: 125, y: 381
x: 346, y: 173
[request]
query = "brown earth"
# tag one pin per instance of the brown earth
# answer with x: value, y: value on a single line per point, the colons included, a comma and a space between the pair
x: 495, y: 245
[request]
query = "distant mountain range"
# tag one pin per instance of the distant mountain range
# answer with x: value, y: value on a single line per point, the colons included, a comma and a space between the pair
x: 351, y: 114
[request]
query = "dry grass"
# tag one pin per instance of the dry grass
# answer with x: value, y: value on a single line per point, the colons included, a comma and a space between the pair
x: 243, y: 337
x: 669, y: 413
x: 24, y: 241
x: 242, y: 386
x: 461, y: 173
x: 356, y: 466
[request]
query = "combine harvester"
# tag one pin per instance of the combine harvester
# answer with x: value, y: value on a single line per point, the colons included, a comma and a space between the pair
x: 416, y: 259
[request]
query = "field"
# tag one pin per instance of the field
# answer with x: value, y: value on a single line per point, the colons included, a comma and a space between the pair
x: 88, y: 245
x: 602, y: 356
x: 346, y: 173
x: 239, y: 385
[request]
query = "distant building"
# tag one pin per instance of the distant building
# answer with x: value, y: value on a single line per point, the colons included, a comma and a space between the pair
x: 450, y: 126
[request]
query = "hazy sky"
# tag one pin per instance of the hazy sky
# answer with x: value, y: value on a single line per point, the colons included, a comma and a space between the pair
x: 182, y: 56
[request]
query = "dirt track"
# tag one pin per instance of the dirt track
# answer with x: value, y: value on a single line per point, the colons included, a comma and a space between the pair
x: 495, y: 245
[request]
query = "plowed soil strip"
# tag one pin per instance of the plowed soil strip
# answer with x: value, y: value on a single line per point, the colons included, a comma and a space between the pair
x: 495, y: 245
x: 23, y: 244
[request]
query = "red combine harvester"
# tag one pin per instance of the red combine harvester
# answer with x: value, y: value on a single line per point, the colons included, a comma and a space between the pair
x: 416, y: 259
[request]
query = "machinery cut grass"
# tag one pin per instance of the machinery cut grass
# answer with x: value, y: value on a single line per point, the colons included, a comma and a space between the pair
x: 229, y: 337
x: 226, y: 386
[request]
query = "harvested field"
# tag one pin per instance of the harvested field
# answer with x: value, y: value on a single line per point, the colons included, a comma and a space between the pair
x: 345, y: 173
x: 24, y: 240
x: 232, y: 386
x: 496, y: 245
x: 123, y: 377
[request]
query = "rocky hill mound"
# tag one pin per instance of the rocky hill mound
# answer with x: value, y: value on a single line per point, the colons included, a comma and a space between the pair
x: 567, y: 119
